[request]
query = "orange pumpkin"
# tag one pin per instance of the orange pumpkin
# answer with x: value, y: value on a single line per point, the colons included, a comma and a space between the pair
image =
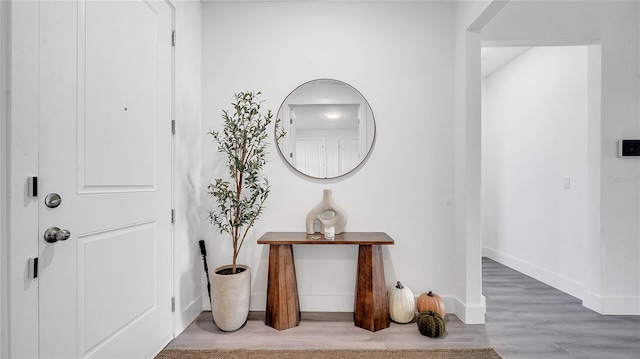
x: 431, y: 301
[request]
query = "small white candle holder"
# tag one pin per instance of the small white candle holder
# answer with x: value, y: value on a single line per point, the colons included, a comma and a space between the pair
x: 329, y: 233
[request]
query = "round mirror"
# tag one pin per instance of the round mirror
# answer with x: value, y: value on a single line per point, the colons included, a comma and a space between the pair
x: 329, y: 128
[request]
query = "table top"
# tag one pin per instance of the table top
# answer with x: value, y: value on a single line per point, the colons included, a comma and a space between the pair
x: 352, y: 238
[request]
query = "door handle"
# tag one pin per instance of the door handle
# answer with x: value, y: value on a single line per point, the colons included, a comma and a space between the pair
x: 55, y: 234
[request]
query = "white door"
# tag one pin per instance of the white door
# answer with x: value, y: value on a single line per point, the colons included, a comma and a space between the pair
x: 348, y: 154
x: 105, y: 111
x: 311, y: 158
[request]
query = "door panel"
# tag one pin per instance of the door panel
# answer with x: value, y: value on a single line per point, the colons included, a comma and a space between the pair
x: 311, y: 157
x: 105, y: 117
x: 108, y: 311
x: 114, y: 130
x: 348, y: 154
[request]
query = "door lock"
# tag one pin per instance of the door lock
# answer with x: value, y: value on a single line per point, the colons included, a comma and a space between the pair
x: 52, y: 200
x: 54, y: 234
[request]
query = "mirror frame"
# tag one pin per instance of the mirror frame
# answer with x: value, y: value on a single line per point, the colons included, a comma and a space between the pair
x: 368, y: 146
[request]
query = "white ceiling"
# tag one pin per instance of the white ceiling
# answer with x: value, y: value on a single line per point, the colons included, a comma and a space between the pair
x: 312, y: 116
x: 311, y: 101
x: 493, y: 58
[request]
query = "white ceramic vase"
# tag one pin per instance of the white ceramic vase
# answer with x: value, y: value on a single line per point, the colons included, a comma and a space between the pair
x: 230, y: 297
x: 337, y: 219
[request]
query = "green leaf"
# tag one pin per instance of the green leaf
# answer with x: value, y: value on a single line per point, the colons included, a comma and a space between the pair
x: 243, y: 140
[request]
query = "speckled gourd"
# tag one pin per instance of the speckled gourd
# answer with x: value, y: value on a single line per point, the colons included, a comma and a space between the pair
x: 402, y: 304
x: 431, y: 324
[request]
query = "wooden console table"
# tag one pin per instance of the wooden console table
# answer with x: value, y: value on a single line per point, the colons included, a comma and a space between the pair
x: 371, y: 310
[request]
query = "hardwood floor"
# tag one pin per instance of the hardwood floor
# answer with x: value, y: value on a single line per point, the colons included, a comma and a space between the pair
x: 525, y: 319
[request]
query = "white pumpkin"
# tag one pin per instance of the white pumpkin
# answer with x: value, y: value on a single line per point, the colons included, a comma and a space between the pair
x: 402, y: 303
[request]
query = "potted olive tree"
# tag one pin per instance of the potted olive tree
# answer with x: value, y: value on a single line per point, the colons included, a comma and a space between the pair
x: 239, y: 202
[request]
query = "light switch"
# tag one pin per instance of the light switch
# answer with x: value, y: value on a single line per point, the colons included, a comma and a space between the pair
x: 566, y: 182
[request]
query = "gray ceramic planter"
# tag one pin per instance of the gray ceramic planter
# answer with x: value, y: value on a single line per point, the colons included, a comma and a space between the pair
x: 230, y: 297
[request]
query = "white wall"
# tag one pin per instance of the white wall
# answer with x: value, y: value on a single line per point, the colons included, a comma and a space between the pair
x: 400, y: 56
x: 4, y: 79
x: 534, y: 136
x: 615, y: 289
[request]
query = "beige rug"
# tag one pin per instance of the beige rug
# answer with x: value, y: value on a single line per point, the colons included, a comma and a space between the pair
x: 329, y: 354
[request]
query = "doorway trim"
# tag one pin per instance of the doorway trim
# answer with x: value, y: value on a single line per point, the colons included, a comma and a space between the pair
x: 591, y: 296
x: 5, y: 7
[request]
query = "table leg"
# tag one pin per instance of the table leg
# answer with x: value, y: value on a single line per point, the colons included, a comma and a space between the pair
x: 371, y: 307
x: 283, y: 307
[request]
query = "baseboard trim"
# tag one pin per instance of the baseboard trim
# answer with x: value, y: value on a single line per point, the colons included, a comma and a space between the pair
x: 606, y: 305
x: 310, y: 316
x: 188, y: 314
x: 561, y: 283
x: 311, y: 303
x: 612, y: 305
x: 469, y: 314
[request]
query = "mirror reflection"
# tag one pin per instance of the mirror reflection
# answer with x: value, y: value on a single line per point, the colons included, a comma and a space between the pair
x: 330, y: 128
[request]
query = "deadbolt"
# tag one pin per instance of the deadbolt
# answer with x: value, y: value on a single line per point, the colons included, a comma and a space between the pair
x: 52, y: 200
x: 54, y: 234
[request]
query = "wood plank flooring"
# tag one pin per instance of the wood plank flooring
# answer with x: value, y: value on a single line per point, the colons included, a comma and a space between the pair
x: 525, y: 319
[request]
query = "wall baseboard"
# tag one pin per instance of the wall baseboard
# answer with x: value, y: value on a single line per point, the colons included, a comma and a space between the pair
x: 310, y: 303
x: 188, y: 314
x: 611, y: 305
x: 597, y: 303
x: 469, y: 314
x: 566, y: 285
